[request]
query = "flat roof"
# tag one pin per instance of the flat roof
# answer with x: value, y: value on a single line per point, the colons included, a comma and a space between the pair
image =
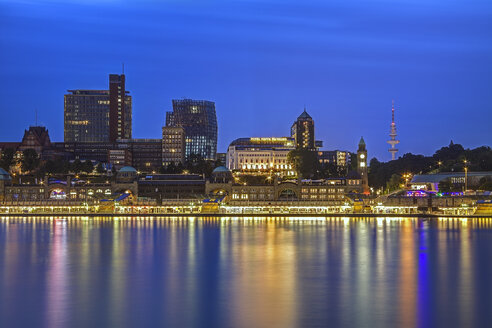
x: 438, y: 177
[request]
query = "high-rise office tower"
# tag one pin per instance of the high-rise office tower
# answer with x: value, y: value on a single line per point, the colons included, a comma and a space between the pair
x: 98, y: 115
x: 120, y: 106
x: 199, y: 121
x: 303, y: 132
x: 173, y: 145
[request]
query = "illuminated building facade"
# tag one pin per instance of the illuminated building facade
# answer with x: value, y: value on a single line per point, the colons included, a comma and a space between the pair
x: 260, y: 155
x: 430, y: 182
x: 98, y: 115
x: 65, y: 189
x: 303, y: 132
x: 5, y: 179
x: 317, y: 191
x: 199, y: 121
x: 173, y: 145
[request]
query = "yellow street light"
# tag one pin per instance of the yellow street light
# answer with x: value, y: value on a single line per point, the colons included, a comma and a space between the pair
x: 407, y: 177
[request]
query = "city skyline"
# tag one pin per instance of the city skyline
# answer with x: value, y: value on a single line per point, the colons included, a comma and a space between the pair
x: 224, y: 163
x: 345, y: 77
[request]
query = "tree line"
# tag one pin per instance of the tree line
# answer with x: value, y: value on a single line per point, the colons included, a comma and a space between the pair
x: 386, y: 175
x: 306, y: 164
x: 451, y: 158
x: 30, y: 162
x: 391, y: 175
x: 195, y: 164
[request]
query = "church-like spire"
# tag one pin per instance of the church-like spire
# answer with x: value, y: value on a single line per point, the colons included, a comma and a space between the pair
x: 362, y: 144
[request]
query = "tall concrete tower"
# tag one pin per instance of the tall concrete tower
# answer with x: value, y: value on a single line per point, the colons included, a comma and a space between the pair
x: 393, y: 142
x: 362, y: 164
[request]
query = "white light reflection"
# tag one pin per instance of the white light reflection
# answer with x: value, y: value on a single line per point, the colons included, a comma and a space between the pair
x: 57, y: 302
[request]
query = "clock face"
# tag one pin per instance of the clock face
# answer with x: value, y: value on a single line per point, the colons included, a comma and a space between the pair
x: 362, y: 156
x: 362, y: 164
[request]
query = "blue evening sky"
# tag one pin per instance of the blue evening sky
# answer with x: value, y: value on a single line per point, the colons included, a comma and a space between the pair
x: 261, y: 62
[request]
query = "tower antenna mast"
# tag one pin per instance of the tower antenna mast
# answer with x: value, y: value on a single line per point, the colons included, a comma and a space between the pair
x: 393, y: 141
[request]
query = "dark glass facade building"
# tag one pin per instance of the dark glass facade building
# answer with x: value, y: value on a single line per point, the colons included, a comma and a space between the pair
x: 120, y: 109
x: 145, y: 154
x: 98, y: 115
x: 303, y: 132
x: 172, y: 186
x: 199, y: 121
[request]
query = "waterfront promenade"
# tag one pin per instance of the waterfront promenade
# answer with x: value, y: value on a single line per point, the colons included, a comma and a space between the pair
x: 459, y: 207
x: 227, y: 211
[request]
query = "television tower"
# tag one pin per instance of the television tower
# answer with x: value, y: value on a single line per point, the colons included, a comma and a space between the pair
x: 393, y: 142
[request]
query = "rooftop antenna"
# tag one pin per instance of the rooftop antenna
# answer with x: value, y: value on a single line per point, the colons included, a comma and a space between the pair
x: 393, y: 141
x: 123, y: 68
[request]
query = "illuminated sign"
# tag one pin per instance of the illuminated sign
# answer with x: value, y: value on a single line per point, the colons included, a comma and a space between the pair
x: 281, y: 140
x: 419, y: 187
x: 78, y: 122
x: 58, y: 194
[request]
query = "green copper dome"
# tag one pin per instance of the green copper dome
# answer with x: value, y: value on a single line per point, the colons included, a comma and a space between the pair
x: 127, y: 169
x: 220, y: 169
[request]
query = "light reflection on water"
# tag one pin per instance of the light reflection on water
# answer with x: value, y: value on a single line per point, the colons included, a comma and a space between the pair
x: 245, y: 272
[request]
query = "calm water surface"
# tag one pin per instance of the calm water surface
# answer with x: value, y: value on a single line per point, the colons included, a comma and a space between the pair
x: 202, y: 272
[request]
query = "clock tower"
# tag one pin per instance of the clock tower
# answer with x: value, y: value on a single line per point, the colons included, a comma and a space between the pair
x: 362, y: 164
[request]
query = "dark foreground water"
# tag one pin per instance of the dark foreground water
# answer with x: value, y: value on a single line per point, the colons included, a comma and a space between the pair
x: 204, y: 272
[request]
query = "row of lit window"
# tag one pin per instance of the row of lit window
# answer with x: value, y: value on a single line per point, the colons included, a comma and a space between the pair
x: 321, y: 190
x: 322, y: 196
x: 266, y: 166
x: 252, y: 196
x: 241, y: 161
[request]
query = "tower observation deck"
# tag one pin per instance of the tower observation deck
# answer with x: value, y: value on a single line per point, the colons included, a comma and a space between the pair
x: 393, y: 142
